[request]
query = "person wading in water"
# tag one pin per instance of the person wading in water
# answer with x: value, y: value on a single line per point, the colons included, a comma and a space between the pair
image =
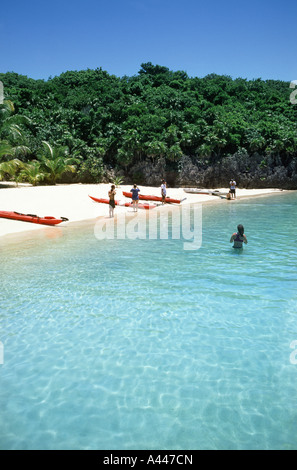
x: 238, y: 238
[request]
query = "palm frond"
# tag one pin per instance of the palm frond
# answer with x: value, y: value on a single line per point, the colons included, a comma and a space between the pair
x: 32, y: 173
x: 48, y: 148
x: 11, y: 168
x: 7, y: 106
x: 6, y: 149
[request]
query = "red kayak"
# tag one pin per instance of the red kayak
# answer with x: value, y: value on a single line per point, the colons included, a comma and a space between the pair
x: 153, y: 198
x: 126, y: 204
x: 34, y: 219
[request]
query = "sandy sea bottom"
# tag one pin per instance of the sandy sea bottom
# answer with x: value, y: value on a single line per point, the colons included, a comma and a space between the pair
x: 140, y: 344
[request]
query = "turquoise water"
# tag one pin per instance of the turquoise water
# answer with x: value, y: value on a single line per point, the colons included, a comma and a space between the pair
x: 122, y: 344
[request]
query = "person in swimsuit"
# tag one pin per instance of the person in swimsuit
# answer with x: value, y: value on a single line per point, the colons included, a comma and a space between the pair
x: 233, y: 189
x: 135, y: 197
x: 163, y: 191
x: 238, y: 238
x: 111, y: 195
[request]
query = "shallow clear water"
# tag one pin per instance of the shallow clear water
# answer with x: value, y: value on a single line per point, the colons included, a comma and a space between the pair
x: 122, y: 344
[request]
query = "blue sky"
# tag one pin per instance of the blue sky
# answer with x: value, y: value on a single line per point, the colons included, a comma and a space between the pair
x: 251, y: 39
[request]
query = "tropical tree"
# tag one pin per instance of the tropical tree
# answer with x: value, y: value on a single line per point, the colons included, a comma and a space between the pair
x: 155, y: 149
x: 205, y: 151
x: 118, y: 180
x: 116, y: 123
x: 55, y: 161
x: 131, y: 143
x: 12, y: 139
x: 124, y: 158
x: 11, y: 169
x: 12, y: 142
x: 174, y: 153
x: 32, y: 173
x: 6, y: 150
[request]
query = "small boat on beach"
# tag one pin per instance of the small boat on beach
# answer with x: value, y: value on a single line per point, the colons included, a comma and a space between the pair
x: 197, y: 191
x: 34, y: 219
x: 153, y: 198
x: 121, y: 203
x: 210, y: 192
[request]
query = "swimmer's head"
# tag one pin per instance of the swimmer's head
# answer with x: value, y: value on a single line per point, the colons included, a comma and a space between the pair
x: 240, y: 229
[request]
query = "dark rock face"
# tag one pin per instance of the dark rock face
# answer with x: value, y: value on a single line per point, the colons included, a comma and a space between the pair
x: 249, y: 171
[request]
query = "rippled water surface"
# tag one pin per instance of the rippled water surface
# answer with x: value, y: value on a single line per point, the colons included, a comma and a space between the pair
x: 139, y: 344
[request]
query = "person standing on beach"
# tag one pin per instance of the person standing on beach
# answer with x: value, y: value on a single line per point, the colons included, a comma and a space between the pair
x: 135, y: 197
x: 233, y: 189
x: 163, y: 191
x: 111, y: 195
x: 238, y: 238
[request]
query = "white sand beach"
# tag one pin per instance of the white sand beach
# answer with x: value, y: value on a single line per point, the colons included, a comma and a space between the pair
x: 72, y: 201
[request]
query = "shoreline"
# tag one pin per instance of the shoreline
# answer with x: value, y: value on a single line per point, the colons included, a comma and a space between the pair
x: 72, y: 201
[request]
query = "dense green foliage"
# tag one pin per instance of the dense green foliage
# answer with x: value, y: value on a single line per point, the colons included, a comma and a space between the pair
x: 158, y: 121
